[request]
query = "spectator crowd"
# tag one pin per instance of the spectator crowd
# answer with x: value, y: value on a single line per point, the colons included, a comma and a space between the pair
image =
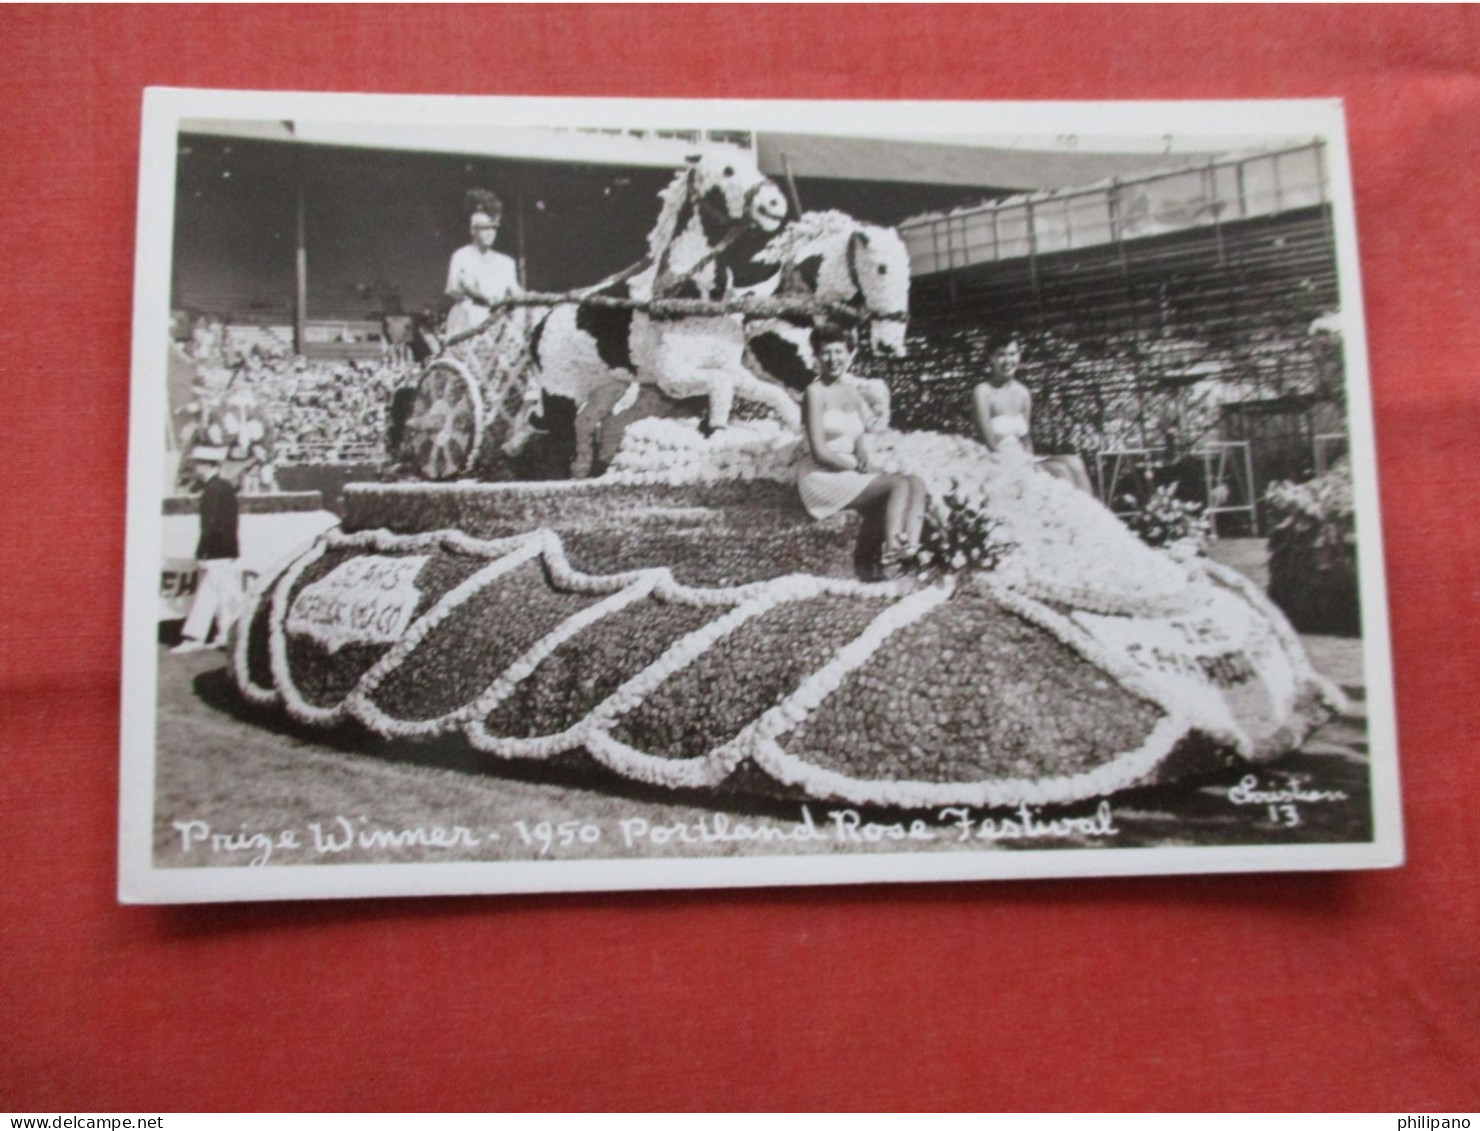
x: 273, y: 408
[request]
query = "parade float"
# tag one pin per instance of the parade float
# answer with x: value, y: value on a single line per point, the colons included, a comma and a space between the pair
x: 681, y: 621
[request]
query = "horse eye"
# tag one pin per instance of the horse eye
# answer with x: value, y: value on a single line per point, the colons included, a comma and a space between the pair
x: 883, y: 269
x: 729, y: 170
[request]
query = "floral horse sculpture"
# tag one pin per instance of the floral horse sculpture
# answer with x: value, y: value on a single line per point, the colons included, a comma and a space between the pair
x: 714, y: 214
x: 829, y: 262
x: 844, y: 267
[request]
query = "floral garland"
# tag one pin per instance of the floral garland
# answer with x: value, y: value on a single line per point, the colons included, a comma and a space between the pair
x: 721, y: 761
x: 759, y: 740
x: 592, y: 731
x: 713, y: 767
x: 1183, y: 709
x: 1330, y: 695
x: 380, y: 541
x: 1124, y: 772
x: 524, y: 666
x: 1207, y: 714
x: 673, y: 453
x: 359, y: 703
x: 239, y: 658
x: 1065, y: 547
x: 277, y: 644
x: 509, y: 553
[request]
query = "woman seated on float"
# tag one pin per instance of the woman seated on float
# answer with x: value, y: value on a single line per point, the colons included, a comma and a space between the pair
x: 837, y: 418
x: 1003, y: 409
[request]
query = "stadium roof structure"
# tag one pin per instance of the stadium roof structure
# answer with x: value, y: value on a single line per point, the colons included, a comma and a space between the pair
x: 1004, y: 164
x: 1025, y: 164
x: 363, y: 210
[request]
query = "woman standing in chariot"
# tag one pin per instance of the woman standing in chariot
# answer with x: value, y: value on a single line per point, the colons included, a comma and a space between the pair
x: 478, y: 276
x: 837, y: 475
x: 1002, y: 407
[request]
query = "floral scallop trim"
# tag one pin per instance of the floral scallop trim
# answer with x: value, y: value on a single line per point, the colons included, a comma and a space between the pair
x: 522, y: 668
x: 359, y: 703
x: 1182, y: 711
x: 810, y: 694
x: 241, y: 671
x: 277, y: 644
x: 637, y: 764
x: 590, y: 731
x: 386, y: 541
x: 1201, y: 706
x: 1330, y: 695
x: 713, y: 767
x: 567, y: 577
x: 260, y: 590
x: 1123, y: 771
x: 744, y: 601
x: 535, y: 748
x: 381, y: 541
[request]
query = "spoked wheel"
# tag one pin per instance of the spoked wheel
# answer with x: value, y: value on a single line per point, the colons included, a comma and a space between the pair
x: 445, y: 426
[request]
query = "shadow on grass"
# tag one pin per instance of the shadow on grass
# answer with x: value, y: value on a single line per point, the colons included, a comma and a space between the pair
x: 749, y: 795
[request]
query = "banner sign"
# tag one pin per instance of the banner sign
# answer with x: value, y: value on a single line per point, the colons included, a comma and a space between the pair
x: 368, y: 600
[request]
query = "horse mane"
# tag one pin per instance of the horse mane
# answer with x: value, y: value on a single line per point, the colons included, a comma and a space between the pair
x: 807, y: 234
x: 673, y: 197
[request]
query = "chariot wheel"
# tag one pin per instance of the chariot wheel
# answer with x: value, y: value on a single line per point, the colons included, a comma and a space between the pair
x: 445, y: 426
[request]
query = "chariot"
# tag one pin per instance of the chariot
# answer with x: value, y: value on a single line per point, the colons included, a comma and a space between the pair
x: 452, y: 422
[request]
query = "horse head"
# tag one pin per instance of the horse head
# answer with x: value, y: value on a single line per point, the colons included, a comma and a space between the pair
x: 728, y: 193
x: 725, y: 192
x: 842, y: 262
x: 879, y: 270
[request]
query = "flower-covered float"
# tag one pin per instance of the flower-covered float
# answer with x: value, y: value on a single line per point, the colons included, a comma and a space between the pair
x: 681, y: 621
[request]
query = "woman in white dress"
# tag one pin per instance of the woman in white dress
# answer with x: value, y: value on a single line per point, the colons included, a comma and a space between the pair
x: 836, y: 477
x: 478, y: 276
x: 1003, y: 409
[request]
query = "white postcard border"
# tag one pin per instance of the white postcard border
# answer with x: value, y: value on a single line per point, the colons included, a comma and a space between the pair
x: 142, y: 882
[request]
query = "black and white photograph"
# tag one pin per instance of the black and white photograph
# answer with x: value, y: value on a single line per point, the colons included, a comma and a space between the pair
x: 553, y: 495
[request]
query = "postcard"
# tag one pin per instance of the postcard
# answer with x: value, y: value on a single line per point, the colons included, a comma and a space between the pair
x: 534, y: 495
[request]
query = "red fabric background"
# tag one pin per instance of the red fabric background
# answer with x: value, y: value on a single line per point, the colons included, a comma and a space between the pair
x: 1304, y: 991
